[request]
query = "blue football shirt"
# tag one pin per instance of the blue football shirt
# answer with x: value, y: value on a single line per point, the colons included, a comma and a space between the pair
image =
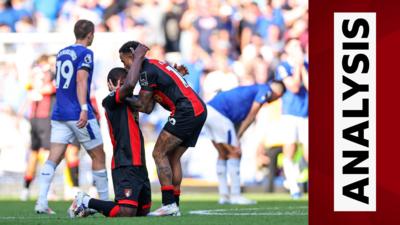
x: 69, y: 61
x: 295, y: 104
x: 236, y: 103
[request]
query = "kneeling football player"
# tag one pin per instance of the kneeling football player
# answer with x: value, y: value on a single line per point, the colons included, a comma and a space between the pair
x: 129, y: 172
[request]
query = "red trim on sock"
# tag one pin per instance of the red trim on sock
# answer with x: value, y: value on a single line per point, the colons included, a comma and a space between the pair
x: 167, y: 188
x: 28, y: 177
x: 73, y: 164
x: 128, y: 202
x: 114, y: 211
x: 147, y: 206
x: 177, y: 192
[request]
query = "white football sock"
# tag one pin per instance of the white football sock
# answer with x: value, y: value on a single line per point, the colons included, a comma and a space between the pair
x: 222, y: 178
x: 86, y: 200
x: 101, y: 183
x: 233, y: 166
x: 45, y: 178
x: 291, y: 172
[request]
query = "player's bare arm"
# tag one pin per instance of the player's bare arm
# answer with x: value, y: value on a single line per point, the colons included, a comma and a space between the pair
x: 133, y: 73
x: 144, y: 103
x: 81, y: 88
x: 293, y: 83
x: 249, y: 118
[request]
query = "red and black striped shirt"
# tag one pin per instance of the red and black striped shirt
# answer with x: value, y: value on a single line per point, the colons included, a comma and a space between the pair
x: 125, y: 133
x: 169, y: 88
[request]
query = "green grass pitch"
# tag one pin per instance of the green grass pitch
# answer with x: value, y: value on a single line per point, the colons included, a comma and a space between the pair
x: 197, y: 209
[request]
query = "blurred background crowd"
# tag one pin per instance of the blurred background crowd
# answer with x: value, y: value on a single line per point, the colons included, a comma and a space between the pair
x: 223, y: 43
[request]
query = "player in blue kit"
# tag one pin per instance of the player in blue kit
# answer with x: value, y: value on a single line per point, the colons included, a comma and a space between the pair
x: 229, y: 109
x: 293, y: 72
x: 73, y: 117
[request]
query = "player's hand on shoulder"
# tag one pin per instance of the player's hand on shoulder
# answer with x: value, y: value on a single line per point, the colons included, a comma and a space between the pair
x: 140, y: 51
x: 181, y: 69
x: 83, y: 119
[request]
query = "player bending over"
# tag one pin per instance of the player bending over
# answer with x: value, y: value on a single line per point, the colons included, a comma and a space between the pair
x: 73, y: 116
x: 164, y: 84
x: 236, y: 107
x: 129, y: 172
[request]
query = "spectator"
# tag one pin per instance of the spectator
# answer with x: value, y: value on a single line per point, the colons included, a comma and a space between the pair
x: 8, y: 16
x: 171, y: 26
x: 205, y: 24
x: 46, y: 13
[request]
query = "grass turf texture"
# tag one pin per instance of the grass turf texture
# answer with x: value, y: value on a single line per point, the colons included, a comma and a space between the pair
x: 273, y: 209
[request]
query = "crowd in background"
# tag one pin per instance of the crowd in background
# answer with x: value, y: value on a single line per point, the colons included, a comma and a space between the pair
x: 223, y: 43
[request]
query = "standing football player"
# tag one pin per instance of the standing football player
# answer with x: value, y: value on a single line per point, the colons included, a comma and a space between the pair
x: 164, y: 84
x: 73, y: 116
x: 229, y: 109
x: 293, y: 72
x: 129, y: 172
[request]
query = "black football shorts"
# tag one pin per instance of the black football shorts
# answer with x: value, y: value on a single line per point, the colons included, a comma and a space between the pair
x: 132, y: 186
x: 186, y: 126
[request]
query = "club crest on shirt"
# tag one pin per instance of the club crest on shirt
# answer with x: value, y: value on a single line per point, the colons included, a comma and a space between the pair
x: 128, y: 192
x: 172, y: 121
x: 143, y: 79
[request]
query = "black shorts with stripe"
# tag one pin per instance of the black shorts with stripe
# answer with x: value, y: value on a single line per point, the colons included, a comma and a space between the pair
x: 186, y: 127
x: 132, y: 186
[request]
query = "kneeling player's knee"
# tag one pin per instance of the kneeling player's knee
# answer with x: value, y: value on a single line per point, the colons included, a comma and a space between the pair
x: 127, y: 211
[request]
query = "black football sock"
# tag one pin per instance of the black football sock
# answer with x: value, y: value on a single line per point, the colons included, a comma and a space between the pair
x: 167, y: 193
x: 177, y: 194
x: 27, y: 181
x: 74, y: 171
x: 107, y: 208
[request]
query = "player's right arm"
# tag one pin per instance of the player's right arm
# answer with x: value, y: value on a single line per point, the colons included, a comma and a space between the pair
x: 256, y: 106
x: 133, y: 73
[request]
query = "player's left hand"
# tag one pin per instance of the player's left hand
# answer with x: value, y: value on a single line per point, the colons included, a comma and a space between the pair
x: 181, y: 69
x: 83, y: 118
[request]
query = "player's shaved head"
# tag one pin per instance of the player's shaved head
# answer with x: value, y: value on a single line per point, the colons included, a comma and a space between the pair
x: 126, y: 48
x: 125, y: 53
x: 83, y: 28
x: 115, y: 74
x: 278, y: 88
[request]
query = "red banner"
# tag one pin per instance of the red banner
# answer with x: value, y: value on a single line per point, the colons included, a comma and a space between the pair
x: 331, y: 200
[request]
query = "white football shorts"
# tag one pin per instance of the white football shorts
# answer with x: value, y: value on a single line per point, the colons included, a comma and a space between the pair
x: 66, y: 132
x: 219, y: 128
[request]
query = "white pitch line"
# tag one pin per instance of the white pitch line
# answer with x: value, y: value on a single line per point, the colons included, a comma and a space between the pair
x: 273, y: 211
x: 29, y: 218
